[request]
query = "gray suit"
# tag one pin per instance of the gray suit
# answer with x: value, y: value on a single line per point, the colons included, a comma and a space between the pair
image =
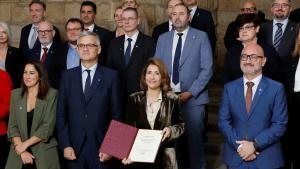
x: 195, y: 70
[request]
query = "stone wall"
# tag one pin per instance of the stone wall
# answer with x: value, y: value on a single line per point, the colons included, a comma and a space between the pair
x: 16, y: 13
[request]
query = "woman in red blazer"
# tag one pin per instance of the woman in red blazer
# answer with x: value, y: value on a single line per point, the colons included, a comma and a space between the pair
x: 5, y: 88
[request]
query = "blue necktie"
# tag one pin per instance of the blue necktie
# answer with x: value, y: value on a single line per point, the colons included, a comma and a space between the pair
x: 128, y: 51
x: 175, y: 73
x: 87, y: 83
x: 278, y: 35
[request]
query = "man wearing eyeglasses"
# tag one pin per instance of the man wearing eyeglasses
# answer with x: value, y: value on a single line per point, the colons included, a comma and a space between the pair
x: 253, y: 116
x: 29, y: 33
x: 231, y: 35
x: 280, y: 32
x: 67, y: 56
x: 47, y: 49
x: 88, y: 99
x: 129, y: 53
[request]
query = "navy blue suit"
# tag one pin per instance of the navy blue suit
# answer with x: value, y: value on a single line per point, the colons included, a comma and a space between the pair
x: 265, y: 123
x: 82, y: 124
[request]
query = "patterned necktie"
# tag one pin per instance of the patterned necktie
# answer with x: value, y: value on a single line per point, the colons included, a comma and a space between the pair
x: 249, y: 96
x: 128, y: 51
x: 43, y: 59
x: 87, y: 83
x: 33, y: 37
x: 278, y: 35
x: 175, y: 73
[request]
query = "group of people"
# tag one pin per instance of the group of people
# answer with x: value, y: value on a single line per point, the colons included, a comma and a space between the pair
x: 65, y: 95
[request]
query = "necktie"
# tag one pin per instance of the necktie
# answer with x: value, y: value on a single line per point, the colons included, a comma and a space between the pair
x: 175, y: 73
x: 43, y: 59
x: 128, y: 51
x: 278, y: 35
x: 87, y: 83
x: 173, y: 27
x: 249, y: 96
x: 33, y: 37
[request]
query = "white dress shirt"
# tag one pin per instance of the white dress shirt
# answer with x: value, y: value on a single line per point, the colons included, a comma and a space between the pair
x: 42, y: 50
x: 85, y: 74
x: 134, y: 38
x: 275, y: 27
x: 254, y: 88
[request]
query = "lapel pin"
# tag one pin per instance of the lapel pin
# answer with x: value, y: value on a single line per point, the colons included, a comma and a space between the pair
x: 98, y: 80
x: 20, y: 107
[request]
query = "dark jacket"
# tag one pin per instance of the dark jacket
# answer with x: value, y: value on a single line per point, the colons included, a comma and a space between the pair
x: 168, y: 116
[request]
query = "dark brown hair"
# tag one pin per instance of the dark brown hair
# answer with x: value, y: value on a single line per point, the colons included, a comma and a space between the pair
x: 38, y: 2
x: 43, y: 79
x: 75, y: 20
x: 247, y: 18
x: 165, y: 79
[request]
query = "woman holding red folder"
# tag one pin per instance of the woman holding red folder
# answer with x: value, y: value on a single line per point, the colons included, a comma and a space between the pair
x: 157, y: 108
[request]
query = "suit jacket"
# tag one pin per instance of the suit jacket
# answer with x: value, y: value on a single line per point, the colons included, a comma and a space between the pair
x: 195, y: 65
x: 169, y: 115
x: 232, y: 69
x: 6, y: 86
x: 287, y: 43
x: 81, y: 121
x: 58, y: 65
x: 24, y: 47
x: 130, y: 74
x: 14, y: 65
x: 202, y: 20
x: 105, y: 37
x: 265, y: 123
x: 295, y: 15
x: 43, y: 124
x: 160, y: 29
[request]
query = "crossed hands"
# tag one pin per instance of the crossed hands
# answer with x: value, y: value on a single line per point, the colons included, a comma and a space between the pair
x: 247, y: 150
x: 27, y: 158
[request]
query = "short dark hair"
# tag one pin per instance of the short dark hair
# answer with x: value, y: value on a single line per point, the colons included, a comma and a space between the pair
x: 75, y: 20
x: 43, y: 4
x: 43, y: 79
x: 89, y: 3
x: 187, y: 9
x: 248, y: 18
x: 132, y: 9
x: 165, y: 79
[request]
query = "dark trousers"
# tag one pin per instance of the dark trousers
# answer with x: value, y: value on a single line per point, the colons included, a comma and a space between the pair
x: 4, y: 149
x: 290, y: 141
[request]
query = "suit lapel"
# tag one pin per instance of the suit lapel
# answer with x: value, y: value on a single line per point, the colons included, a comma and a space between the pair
x: 78, y: 82
x: 188, y: 45
x: 241, y: 97
x: 136, y: 49
x: 143, y: 113
x: 95, y: 83
x: 38, y: 113
x: 121, y: 52
x: 259, y: 92
x: 22, y: 114
x: 168, y: 53
x: 196, y: 15
x: 287, y: 33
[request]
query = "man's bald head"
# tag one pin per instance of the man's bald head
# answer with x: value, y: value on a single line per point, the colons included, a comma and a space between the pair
x: 248, y: 6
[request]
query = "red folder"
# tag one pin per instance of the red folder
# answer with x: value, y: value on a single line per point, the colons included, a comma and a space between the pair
x: 119, y: 139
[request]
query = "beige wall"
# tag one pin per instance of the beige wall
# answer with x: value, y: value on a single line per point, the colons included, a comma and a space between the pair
x: 15, y: 12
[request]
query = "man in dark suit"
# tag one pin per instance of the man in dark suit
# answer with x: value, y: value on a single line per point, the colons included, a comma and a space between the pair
x: 29, y: 33
x: 202, y: 20
x: 232, y: 34
x: 47, y: 49
x: 88, y: 100
x: 187, y: 53
x: 129, y: 53
x: 67, y: 57
x: 253, y: 116
x: 166, y: 26
x: 280, y: 32
x: 88, y: 11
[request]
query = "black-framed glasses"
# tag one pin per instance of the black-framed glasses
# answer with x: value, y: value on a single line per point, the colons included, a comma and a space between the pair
x: 44, y: 31
x: 251, y: 9
x: 252, y: 57
x: 89, y: 46
x: 246, y: 28
x: 283, y: 5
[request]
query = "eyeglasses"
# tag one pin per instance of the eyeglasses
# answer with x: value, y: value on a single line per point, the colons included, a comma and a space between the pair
x: 130, y: 19
x: 252, y: 57
x: 73, y: 29
x: 283, y: 5
x: 89, y: 46
x: 44, y: 31
x: 251, y: 9
x: 245, y: 28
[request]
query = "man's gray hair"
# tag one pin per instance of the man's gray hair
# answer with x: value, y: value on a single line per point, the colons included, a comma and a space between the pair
x: 89, y: 33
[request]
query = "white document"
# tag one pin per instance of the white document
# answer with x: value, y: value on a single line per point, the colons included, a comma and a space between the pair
x: 145, y: 146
